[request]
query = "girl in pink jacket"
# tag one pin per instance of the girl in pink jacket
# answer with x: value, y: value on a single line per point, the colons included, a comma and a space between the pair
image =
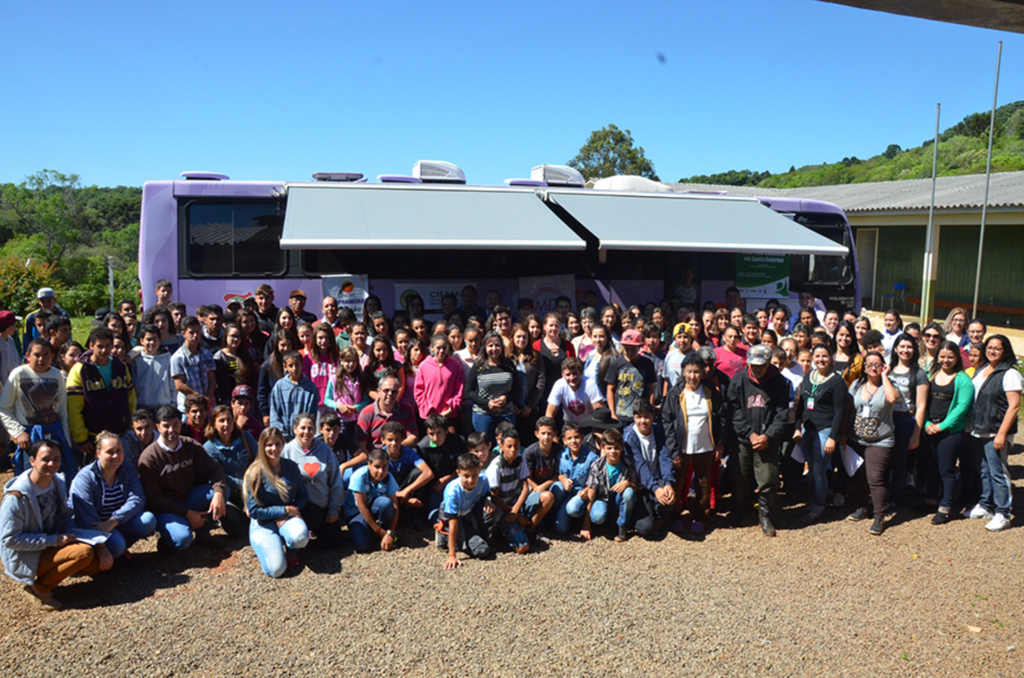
x: 439, y: 380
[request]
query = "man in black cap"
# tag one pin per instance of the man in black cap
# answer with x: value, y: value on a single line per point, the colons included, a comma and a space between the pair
x: 759, y: 402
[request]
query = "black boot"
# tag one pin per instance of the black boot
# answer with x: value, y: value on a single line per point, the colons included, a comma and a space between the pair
x: 766, y: 524
x: 739, y: 514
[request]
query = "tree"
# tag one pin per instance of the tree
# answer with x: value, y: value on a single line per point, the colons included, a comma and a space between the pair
x: 610, y: 151
x: 892, y: 151
x: 47, y: 203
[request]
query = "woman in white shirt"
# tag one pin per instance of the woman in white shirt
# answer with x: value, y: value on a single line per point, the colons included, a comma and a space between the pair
x: 691, y: 416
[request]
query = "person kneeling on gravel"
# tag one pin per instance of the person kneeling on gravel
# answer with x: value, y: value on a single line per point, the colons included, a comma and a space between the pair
x: 460, y: 520
x: 184, y: 486
x: 759, y: 402
x: 371, y: 503
x: 38, y: 549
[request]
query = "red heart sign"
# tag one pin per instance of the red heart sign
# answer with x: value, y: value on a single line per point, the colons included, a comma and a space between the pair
x: 311, y: 468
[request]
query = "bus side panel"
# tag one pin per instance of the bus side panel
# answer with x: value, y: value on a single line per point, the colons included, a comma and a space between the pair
x: 158, y: 239
x: 195, y: 293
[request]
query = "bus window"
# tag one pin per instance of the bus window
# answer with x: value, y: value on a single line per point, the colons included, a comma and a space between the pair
x: 234, y: 239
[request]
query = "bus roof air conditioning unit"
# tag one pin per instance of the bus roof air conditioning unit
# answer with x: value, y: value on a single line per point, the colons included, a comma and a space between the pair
x: 558, y: 175
x: 438, y: 172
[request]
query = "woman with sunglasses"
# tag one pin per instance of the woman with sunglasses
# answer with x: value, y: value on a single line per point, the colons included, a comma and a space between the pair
x: 908, y: 412
x: 931, y: 337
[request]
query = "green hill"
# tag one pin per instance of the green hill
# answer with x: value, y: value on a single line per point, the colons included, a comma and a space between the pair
x: 962, y: 150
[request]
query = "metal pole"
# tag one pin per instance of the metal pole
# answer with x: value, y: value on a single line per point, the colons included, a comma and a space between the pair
x: 988, y: 176
x: 110, y: 274
x: 927, y: 293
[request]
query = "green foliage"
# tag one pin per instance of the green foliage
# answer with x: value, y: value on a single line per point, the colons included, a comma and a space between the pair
x: 962, y: 150
x: 610, y: 151
x: 730, y: 178
x: 49, y: 204
x: 19, y: 283
x: 50, y: 217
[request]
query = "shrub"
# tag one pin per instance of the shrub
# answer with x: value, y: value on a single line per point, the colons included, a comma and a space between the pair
x: 20, y: 282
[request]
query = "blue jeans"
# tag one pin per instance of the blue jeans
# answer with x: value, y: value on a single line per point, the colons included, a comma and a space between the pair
x: 533, y: 501
x: 363, y: 537
x: 271, y: 542
x: 813, y: 445
x: 123, y: 536
x: 996, y: 488
x: 487, y: 422
x: 175, y: 532
x: 563, y: 519
x: 621, y: 504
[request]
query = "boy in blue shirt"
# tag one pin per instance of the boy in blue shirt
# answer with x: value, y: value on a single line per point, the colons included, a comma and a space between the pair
x: 507, y: 476
x: 295, y: 394
x: 465, y: 501
x: 370, y: 505
x: 573, y: 466
x: 611, y: 484
x: 402, y: 463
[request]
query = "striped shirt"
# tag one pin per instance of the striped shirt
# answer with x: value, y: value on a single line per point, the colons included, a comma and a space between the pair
x: 113, y: 499
x: 506, y: 479
x: 489, y: 382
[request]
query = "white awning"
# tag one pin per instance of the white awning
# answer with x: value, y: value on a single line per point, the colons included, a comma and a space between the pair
x: 372, y: 216
x: 659, y: 221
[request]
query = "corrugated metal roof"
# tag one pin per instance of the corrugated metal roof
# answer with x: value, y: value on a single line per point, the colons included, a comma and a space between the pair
x: 968, y: 191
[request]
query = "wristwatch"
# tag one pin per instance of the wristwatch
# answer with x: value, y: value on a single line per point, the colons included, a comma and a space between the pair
x: 390, y: 533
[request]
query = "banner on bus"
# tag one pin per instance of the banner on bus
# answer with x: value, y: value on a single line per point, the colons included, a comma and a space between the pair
x: 432, y: 295
x: 543, y: 290
x: 763, y: 276
x: 349, y: 291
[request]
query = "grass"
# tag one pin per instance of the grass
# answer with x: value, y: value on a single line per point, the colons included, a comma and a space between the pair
x: 80, y: 328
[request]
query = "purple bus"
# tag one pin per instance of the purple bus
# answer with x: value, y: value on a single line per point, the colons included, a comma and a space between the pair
x: 431, y: 234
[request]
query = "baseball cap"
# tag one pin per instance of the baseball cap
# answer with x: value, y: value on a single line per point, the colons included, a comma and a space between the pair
x: 99, y: 315
x: 296, y: 293
x: 759, y: 355
x: 242, y: 391
x: 681, y: 328
x: 7, y: 318
x: 46, y: 293
x: 524, y: 302
x: 632, y: 338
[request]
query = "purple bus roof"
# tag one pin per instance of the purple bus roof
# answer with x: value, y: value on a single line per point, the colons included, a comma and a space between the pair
x: 800, y: 205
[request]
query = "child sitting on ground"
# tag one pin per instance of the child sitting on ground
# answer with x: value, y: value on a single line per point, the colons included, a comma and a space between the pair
x: 573, y: 467
x: 406, y: 467
x: 611, y: 484
x: 371, y: 504
x: 542, y: 459
x: 507, y: 476
x: 462, y: 512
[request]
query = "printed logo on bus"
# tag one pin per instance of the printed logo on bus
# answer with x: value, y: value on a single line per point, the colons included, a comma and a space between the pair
x: 232, y: 296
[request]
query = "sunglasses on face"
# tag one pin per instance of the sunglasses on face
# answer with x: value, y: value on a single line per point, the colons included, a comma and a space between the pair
x: 932, y: 336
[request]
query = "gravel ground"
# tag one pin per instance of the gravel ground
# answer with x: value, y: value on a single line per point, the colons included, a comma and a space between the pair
x: 827, y: 600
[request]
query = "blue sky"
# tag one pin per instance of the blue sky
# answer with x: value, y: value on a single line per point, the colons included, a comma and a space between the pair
x: 121, y: 93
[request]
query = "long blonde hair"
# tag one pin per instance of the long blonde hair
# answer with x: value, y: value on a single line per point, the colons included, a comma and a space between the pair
x: 261, y: 470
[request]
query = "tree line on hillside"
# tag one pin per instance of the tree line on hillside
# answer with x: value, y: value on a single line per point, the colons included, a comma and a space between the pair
x: 55, y: 232
x: 963, y: 149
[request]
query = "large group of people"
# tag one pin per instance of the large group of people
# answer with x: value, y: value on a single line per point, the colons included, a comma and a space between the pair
x: 492, y: 425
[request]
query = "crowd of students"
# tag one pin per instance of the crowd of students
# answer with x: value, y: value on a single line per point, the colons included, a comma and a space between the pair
x: 491, y: 425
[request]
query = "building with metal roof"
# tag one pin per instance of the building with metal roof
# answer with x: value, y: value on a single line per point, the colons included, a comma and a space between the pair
x: 889, y: 220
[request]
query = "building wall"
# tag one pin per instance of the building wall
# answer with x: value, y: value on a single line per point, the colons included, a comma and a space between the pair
x: 901, y: 259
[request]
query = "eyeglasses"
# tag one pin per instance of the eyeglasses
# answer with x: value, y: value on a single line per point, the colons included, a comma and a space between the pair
x: 933, y: 336
x: 389, y: 390
x: 873, y: 366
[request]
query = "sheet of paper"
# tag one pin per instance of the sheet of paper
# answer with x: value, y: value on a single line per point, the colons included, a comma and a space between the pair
x: 851, y: 460
x: 90, y: 537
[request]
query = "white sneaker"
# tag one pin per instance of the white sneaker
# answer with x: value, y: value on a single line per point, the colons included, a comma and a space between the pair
x: 979, y: 513
x: 1000, y: 522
